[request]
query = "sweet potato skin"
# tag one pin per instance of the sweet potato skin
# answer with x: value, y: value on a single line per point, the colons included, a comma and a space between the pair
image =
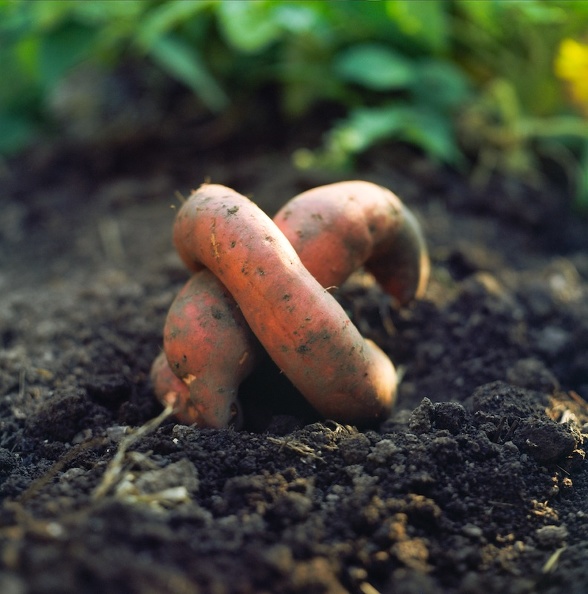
x: 210, y: 347
x: 298, y: 322
x: 340, y: 227
x: 170, y: 390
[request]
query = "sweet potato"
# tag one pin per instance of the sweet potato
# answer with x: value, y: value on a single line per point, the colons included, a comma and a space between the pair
x: 337, y: 228
x: 169, y: 389
x: 211, y: 348
x: 334, y: 229
x: 300, y: 325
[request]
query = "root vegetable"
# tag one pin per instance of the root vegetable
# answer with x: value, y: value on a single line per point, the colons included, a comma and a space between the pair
x: 211, y: 348
x: 334, y: 229
x: 339, y: 227
x: 301, y: 326
x: 169, y: 389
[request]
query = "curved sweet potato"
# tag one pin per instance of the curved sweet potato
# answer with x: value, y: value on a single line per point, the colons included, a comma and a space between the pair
x: 334, y: 229
x: 339, y: 227
x: 211, y: 348
x: 301, y: 326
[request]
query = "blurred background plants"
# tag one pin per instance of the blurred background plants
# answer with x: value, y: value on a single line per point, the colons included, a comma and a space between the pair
x: 490, y: 86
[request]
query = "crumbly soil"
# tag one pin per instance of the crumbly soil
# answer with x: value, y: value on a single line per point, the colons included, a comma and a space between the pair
x: 477, y: 483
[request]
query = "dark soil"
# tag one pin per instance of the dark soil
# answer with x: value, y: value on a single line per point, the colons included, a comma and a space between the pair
x: 477, y: 483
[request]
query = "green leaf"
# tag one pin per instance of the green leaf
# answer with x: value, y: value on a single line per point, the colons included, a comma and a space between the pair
x: 22, y: 81
x: 375, y: 67
x: 180, y: 60
x: 165, y: 17
x: 487, y: 15
x: 542, y: 12
x: 299, y: 18
x: 98, y: 12
x: 581, y: 198
x: 15, y: 133
x: 424, y: 22
x: 366, y: 126
x: 248, y: 26
x: 62, y: 49
x: 440, y: 84
x: 49, y: 14
x: 14, y: 21
x: 26, y: 51
x: 432, y: 132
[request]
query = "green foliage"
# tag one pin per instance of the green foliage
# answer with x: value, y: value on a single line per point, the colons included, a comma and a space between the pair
x: 375, y: 67
x: 582, y: 179
x: 425, y: 23
x: 452, y: 78
x: 179, y: 59
x: 520, y: 113
x: 420, y: 113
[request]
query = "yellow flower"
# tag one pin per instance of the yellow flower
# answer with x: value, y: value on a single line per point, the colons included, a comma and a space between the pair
x: 571, y: 65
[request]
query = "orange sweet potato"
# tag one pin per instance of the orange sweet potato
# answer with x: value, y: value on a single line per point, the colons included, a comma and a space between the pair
x: 169, y: 389
x: 211, y: 348
x: 298, y: 322
x: 337, y: 228
x: 334, y: 229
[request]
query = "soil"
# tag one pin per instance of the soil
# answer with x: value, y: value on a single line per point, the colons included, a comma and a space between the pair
x: 477, y: 483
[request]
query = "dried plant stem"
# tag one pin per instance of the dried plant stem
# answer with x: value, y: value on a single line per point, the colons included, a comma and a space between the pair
x: 115, y: 467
